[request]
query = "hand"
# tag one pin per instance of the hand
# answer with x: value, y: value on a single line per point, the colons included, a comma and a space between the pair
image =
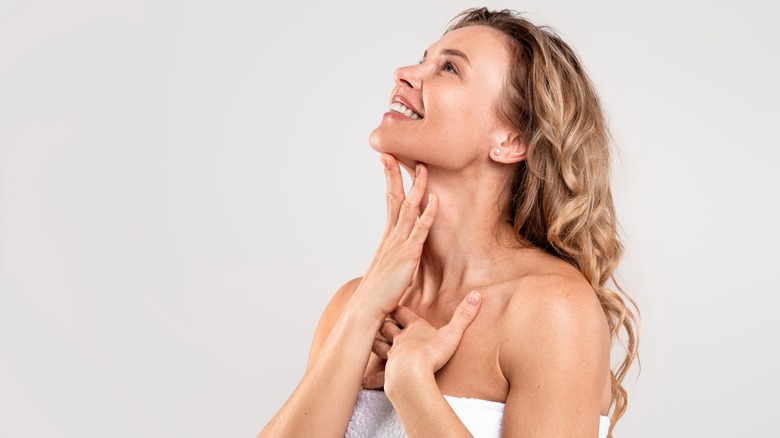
x: 392, y: 270
x: 413, y: 347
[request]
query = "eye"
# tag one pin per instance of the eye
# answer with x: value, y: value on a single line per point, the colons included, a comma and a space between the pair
x: 450, y: 67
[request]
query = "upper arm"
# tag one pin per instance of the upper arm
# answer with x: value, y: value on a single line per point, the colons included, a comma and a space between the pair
x: 330, y: 315
x: 555, y: 355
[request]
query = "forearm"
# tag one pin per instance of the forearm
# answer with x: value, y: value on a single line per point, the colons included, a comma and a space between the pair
x: 321, y: 405
x: 424, y: 411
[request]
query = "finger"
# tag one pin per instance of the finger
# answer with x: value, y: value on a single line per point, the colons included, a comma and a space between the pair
x: 389, y: 330
x: 424, y: 223
x: 464, y: 314
x: 395, y: 190
x: 394, y: 197
x: 374, y: 381
x: 380, y: 337
x: 380, y: 348
x: 404, y: 315
x: 390, y: 318
x: 410, y: 207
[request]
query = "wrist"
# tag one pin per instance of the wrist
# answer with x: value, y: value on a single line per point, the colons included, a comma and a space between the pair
x: 360, y: 308
x: 410, y: 382
x: 355, y: 331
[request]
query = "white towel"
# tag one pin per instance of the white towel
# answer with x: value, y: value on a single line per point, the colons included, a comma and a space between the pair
x: 374, y: 417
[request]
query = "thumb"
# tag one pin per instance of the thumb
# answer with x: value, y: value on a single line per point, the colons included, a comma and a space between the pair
x: 465, y: 313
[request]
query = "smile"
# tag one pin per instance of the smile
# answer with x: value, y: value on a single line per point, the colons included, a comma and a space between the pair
x: 403, y: 109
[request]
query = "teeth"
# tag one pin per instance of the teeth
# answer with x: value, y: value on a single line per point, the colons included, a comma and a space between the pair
x: 403, y: 109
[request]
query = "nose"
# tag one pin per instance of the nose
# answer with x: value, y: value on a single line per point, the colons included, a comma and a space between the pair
x: 407, y: 77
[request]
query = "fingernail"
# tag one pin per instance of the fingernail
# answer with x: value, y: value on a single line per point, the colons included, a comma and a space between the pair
x: 365, y: 379
x: 473, y: 297
x: 429, y: 198
x: 416, y: 169
x: 384, y: 162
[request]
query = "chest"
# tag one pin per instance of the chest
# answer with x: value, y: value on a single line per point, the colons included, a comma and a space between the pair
x: 474, y: 370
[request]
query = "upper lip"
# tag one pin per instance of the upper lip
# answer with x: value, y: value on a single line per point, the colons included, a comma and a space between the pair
x: 406, y: 103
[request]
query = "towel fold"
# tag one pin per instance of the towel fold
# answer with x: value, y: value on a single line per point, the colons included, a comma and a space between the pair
x: 374, y: 417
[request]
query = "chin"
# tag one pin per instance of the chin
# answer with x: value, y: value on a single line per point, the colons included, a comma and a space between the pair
x: 403, y: 152
x: 374, y: 141
x: 382, y: 140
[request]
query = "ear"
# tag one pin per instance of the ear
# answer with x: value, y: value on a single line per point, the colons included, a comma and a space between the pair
x: 510, y: 148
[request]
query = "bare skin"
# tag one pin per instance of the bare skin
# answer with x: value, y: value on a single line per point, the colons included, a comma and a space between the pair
x: 536, y: 339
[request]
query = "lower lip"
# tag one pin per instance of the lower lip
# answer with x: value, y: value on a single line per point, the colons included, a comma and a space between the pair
x: 398, y: 116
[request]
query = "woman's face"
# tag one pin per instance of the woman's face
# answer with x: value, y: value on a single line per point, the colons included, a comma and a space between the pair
x: 453, y: 93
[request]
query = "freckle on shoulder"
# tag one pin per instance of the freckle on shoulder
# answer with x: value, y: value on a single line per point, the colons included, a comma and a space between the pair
x: 546, y: 307
x: 554, y: 287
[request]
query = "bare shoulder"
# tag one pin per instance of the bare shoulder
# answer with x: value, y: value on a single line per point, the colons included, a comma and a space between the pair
x: 339, y: 300
x: 330, y: 315
x: 553, y: 314
x: 554, y: 352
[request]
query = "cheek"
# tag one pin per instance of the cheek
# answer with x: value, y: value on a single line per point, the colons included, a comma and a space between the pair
x: 465, y: 120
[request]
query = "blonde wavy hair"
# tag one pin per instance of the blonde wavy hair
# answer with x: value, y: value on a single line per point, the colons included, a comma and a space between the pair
x: 560, y: 198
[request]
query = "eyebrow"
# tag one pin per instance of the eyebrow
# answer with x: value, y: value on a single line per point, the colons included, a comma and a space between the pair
x: 452, y: 52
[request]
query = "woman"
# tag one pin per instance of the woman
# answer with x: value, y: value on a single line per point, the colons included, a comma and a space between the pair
x: 486, y: 300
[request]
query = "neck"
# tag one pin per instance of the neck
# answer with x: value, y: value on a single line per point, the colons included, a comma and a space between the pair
x: 469, y: 242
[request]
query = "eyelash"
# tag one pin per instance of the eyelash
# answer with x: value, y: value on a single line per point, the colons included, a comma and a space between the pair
x: 446, y: 64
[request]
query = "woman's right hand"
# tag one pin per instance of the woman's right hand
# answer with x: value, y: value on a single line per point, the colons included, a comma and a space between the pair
x: 392, y: 270
x: 341, y: 349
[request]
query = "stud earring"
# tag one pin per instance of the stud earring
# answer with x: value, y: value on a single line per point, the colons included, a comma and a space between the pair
x: 497, y: 152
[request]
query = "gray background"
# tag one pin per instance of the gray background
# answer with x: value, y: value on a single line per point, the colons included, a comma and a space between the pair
x: 183, y: 186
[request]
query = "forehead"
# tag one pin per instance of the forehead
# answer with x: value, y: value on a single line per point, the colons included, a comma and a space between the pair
x: 480, y: 43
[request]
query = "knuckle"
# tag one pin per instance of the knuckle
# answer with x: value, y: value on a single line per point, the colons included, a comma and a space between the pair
x: 464, y: 312
x: 426, y: 219
x: 413, y: 250
x: 409, y: 249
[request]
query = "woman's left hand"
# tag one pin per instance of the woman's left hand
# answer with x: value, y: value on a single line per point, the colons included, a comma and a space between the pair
x: 414, y: 348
